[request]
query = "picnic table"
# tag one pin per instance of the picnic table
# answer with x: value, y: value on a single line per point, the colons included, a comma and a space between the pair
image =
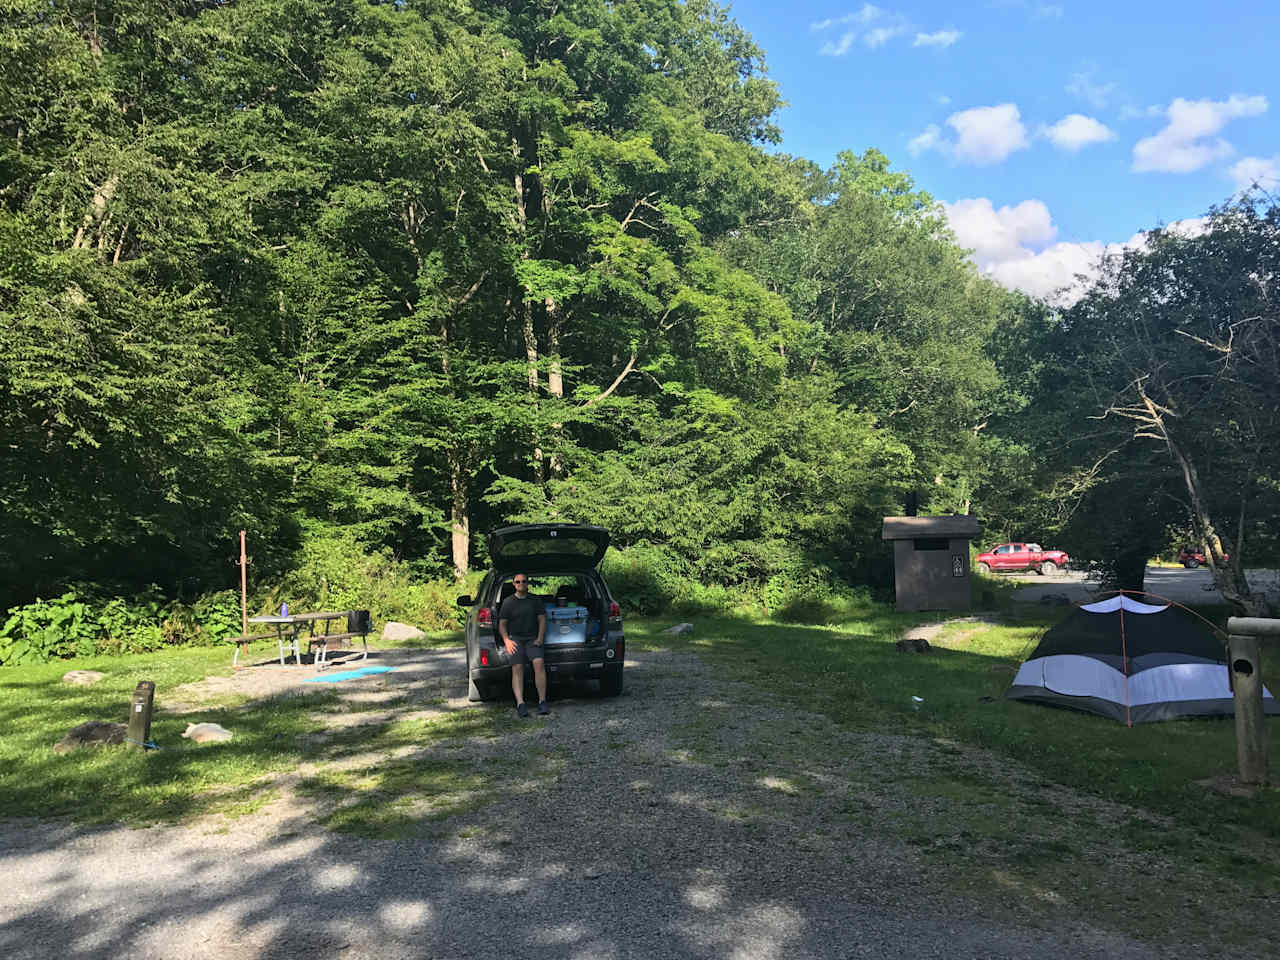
x: 291, y: 630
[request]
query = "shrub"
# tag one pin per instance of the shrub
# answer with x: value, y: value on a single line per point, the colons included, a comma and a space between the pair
x: 80, y: 624
x: 645, y: 579
x: 336, y: 573
x: 48, y: 630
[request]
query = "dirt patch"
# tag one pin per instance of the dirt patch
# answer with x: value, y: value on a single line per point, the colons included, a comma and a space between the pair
x: 436, y: 674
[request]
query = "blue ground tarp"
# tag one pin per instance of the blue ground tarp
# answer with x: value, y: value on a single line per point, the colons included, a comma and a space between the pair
x: 348, y: 675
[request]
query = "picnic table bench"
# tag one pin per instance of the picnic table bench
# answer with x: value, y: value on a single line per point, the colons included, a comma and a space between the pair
x: 291, y: 630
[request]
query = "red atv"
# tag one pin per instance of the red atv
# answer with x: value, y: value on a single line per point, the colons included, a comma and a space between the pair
x: 1191, y: 559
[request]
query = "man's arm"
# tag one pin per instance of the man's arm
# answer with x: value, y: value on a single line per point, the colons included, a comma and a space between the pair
x: 542, y: 625
x: 504, y: 632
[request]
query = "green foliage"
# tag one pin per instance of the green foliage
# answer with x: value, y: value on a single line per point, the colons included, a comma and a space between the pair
x: 644, y: 578
x: 335, y: 572
x: 82, y: 626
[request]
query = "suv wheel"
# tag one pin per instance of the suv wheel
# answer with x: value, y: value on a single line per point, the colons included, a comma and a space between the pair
x: 474, y: 693
x: 1191, y: 563
x: 611, y: 682
x: 1048, y: 568
x: 984, y: 569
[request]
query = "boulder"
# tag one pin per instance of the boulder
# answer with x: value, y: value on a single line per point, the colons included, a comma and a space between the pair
x: 92, y: 733
x: 207, y: 732
x: 913, y: 645
x: 396, y: 632
x: 678, y: 629
x: 82, y: 678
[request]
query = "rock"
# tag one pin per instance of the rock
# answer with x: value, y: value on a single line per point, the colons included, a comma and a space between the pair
x: 393, y: 631
x: 1056, y: 599
x: 678, y: 629
x: 913, y: 645
x: 207, y: 732
x: 82, y: 678
x: 91, y: 733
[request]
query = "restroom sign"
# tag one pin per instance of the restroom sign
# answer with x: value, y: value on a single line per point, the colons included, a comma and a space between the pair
x: 957, y: 565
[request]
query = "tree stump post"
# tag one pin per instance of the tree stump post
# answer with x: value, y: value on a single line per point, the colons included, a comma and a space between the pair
x: 1244, y: 653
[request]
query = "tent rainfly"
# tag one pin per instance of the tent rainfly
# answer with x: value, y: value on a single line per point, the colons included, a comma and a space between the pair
x: 1131, y: 661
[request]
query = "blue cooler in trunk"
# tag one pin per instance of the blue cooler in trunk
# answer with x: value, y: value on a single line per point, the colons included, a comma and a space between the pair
x: 566, y: 625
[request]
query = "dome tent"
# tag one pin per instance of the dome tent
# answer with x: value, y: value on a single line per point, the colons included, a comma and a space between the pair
x: 1131, y: 661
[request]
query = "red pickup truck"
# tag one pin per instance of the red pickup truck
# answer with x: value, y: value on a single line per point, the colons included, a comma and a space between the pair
x: 1010, y: 557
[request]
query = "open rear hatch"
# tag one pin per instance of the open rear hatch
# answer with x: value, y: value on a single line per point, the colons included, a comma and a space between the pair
x: 547, y: 547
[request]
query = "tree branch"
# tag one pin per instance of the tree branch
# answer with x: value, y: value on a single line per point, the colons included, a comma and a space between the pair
x: 617, y: 381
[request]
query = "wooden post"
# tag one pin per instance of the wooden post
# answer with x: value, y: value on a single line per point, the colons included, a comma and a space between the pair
x: 140, y: 714
x: 1244, y: 651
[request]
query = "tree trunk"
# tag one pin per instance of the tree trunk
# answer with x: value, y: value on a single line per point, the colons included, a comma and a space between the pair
x: 1131, y: 571
x: 555, y: 375
x: 459, y: 518
x: 1229, y: 578
x: 97, y: 213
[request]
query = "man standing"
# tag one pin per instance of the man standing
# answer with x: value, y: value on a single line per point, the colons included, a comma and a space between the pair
x: 522, y: 624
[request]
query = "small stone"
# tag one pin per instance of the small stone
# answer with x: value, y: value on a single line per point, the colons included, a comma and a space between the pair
x: 913, y: 645
x: 679, y: 629
x: 82, y: 678
x: 91, y: 733
x: 207, y: 732
x: 397, y: 632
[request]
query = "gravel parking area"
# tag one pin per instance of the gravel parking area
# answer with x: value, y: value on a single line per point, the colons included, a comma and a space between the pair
x: 1172, y: 583
x: 692, y: 817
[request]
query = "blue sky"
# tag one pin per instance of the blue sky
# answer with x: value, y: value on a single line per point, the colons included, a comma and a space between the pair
x: 1051, y: 130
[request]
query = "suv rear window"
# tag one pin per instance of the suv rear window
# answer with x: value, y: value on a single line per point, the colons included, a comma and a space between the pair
x: 560, y: 547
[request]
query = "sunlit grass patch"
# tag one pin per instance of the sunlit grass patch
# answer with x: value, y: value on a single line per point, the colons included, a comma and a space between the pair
x: 394, y: 797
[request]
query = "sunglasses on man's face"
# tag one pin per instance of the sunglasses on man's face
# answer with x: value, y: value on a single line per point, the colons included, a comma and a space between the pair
x: 519, y: 581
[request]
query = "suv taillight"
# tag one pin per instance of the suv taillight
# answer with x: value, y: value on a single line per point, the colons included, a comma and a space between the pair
x: 484, y: 657
x: 614, y: 610
x: 484, y: 617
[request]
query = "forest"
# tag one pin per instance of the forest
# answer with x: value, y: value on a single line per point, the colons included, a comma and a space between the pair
x: 367, y: 280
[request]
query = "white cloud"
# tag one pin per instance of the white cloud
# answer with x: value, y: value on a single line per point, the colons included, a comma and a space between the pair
x: 1084, y: 86
x: 1188, y: 141
x: 983, y: 135
x: 1075, y: 131
x: 881, y: 35
x: 942, y: 99
x: 1048, y: 10
x: 930, y: 139
x: 1018, y: 247
x: 986, y: 135
x: 839, y: 49
x: 943, y: 38
x: 1263, y: 171
x: 868, y: 13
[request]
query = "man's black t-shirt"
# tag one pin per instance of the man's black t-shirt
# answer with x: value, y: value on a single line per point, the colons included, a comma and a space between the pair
x: 522, y: 615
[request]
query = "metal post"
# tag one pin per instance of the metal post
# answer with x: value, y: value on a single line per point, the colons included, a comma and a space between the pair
x: 139, y: 734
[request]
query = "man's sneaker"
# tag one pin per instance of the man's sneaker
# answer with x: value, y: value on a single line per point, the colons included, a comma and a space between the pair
x: 522, y: 709
x: 543, y: 709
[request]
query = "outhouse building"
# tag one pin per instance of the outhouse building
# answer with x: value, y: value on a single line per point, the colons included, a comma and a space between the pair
x: 931, y: 560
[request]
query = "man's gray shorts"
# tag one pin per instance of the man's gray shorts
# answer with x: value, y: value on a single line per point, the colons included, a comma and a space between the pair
x: 527, y: 651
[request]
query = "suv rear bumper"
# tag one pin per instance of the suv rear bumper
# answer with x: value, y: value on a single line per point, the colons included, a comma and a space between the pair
x: 578, y: 663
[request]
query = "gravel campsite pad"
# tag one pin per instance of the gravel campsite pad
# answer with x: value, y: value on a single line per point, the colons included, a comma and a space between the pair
x: 694, y: 816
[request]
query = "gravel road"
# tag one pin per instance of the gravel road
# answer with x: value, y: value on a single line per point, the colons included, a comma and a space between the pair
x: 1172, y: 583
x: 693, y: 817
